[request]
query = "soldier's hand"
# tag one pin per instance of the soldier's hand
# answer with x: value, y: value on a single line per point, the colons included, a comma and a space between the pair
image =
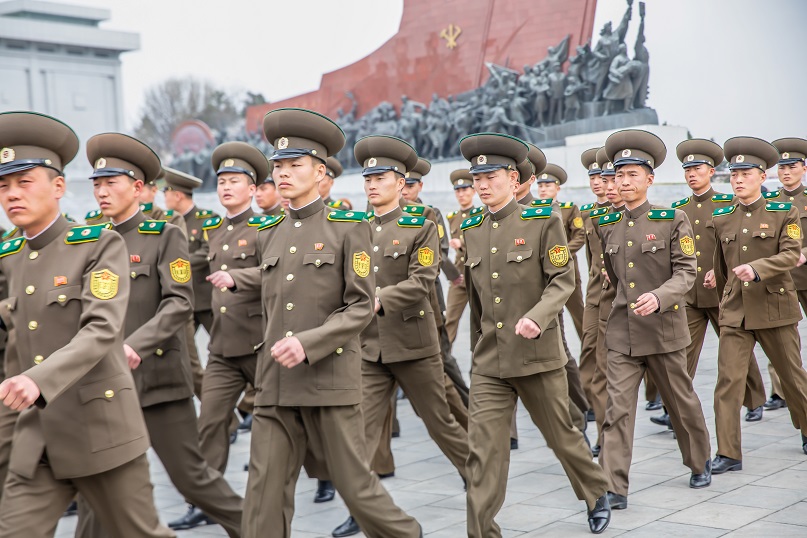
x: 377, y: 305
x: 221, y: 279
x: 709, y: 281
x: 19, y: 392
x: 455, y: 243
x: 646, y: 304
x: 288, y: 352
x: 458, y: 281
x: 132, y: 358
x: 527, y: 328
x: 802, y: 260
x: 745, y: 273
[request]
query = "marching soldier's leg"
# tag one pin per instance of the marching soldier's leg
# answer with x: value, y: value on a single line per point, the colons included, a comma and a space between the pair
x: 732, y: 370
x: 783, y: 346
x: 8, y: 418
x: 544, y: 396
x: 624, y: 375
x: 455, y: 306
x: 276, y: 455
x: 196, y: 366
x: 697, y: 319
x: 452, y: 369
x: 247, y: 402
x: 514, y: 423
x: 341, y: 431
x: 776, y: 384
x: 599, y: 385
x: 422, y: 381
x: 575, y: 302
x: 492, y: 403
x: 576, y: 392
x: 455, y: 404
x: 673, y: 381
x: 588, y: 355
x: 377, y: 387
x: 172, y: 429
x: 383, y: 463
x: 650, y: 390
x: 32, y: 507
x: 203, y: 318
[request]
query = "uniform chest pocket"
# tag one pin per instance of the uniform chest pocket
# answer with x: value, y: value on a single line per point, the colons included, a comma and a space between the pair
x: 395, y: 252
x: 318, y: 260
x: 728, y: 238
x: 611, y: 248
x: 62, y: 296
x: 473, y: 262
x: 140, y: 270
x: 653, y: 246
x: 766, y: 234
x: 710, y: 224
x: 518, y: 256
x: 269, y: 262
x: 211, y: 256
x: 244, y: 252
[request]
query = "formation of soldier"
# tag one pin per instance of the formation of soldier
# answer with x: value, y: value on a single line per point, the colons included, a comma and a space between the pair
x: 319, y: 313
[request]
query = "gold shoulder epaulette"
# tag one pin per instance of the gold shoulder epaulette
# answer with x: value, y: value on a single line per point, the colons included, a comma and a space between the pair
x: 12, y: 246
x: 210, y: 224
x: 472, y: 222
x: 411, y: 222
x: 724, y: 211
x: 610, y: 218
x: 271, y: 220
x: 346, y: 216
x: 86, y: 234
x: 154, y: 227
x: 414, y: 210
x: 680, y: 203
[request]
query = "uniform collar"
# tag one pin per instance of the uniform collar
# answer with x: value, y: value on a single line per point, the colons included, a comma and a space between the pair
x: 304, y: 212
x: 603, y: 204
x: 130, y: 224
x: 241, y: 217
x: 57, y: 229
x: 504, y: 212
x: 191, y: 212
x: 638, y: 211
x: 756, y: 204
x: 705, y: 196
x: 800, y: 189
x: 528, y: 198
x: 389, y: 216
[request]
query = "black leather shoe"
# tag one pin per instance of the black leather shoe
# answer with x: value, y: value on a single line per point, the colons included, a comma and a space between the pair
x: 702, y: 480
x: 348, y: 528
x: 754, y: 415
x: 513, y: 444
x: 595, y: 450
x: 600, y: 516
x: 774, y: 402
x: 590, y: 416
x: 246, y: 466
x: 382, y: 476
x: 246, y: 424
x: 395, y: 435
x: 617, y: 501
x: 233, y: 437
x: 192, y: 519
x: 662, y: 420
x: 804, y: 443
x: 722, y: 464
x: 655, y: 405
x: 72, y: 509
x: 325, y: 491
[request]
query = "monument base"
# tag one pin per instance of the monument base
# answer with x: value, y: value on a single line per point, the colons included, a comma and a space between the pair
x: 595, y: 122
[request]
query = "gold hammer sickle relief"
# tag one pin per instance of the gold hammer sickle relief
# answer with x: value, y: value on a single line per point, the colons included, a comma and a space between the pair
x: 451, y: 34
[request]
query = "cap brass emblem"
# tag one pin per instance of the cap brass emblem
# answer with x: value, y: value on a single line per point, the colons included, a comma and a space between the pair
x: 100, y: 163
x: 690, y: 158
x: 283, y: 143
x: 372, y: 161
x: 785, y: 155
x: 481, y: 160
x: 6, y: 155
x: 626, y: 153
x: 740, y: 159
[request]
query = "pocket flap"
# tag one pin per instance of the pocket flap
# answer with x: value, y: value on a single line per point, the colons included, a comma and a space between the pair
x: 653, y: 246
x: 64, y: 295
x: 107, y: 389
x: 781, y: 288
x: 254, y: 310
x: 518, y: 256
x: 728, y: 237
x: 243, y: 253
x: 472, y: 262
x: 211, y: 256
x: 140, y: 270
x: 611, y: 248
x: 395, y: 252
x: 319, y: 259
x: 763, y: 234
x: 269, y: 262
x: 416, y: 312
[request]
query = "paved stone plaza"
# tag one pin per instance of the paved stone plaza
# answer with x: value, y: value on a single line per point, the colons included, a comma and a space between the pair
x: 767, y: 498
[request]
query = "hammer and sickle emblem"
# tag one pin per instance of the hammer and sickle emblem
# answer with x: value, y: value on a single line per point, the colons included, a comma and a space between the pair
x: 451, y: 34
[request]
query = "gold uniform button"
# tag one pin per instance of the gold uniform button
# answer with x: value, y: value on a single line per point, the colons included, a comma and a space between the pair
x: 630, y: 264
x: 289, y: 306
x: 33, y: 255
x: 109, y: 394
x: 229, y: 229
x: 375, y: 249
x: 745, y: 248
x: 697, y: 221
x: 497, y: 300
x: 289, y: 334
x: 32, y: 325
x: 630, y: 243
x: 223, y: 309
x: 224, y: 267
x: 134, y: 275
x: 519, y: 258
x: 298, y: 224
x: 318, y: 263
x: 630, y: 223
x: 494, y: 250
x: 339, y: 350
x: 243, y: 256
x: 30, y: 290
x: 292, y: 249
x: 495, y: 275
x: 378, y: 228
x: 495, y: 224
x: 633, y: 305
x: 422, y: 313
x: 763, y: 234
x: 653, y: 249
x: 675, y: 307
x: 375, y: 268
x: 745, y: 230
x: 61, y: 298
x: 38, y: 359
x: 632, y: 284
x: 289, y: 277
x: 700, y: 269
x: 159, y: 352
x: 791, y: 198
x: 745, y: 284
x: 782, y: 290
x: 748, y: 214
x: 499, y: 325
x: 225, y: 247
x: 602, y: 257
x: 698, y: 253
x: 700, y: 205
x: 224, y: 288
x: 697, y: 237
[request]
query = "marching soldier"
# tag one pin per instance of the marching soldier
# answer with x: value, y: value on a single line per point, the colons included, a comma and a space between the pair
x: 791, y: 171
x: 154, y: 344
x: 698, y: 158
x: 267, y: 198
x: 760, y: 243
x: 333, y: 171
x: 649, y: 255
x: 155, y: 212
x: 462, y: 183
x: 517, y: 349
x: 81, y: 429
x: 526, y: 178
x: 317, y: 287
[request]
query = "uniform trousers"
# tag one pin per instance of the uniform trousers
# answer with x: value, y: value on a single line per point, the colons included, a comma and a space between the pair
x: 574, y: 304
x: 8, y: 418
x: 782, y: 345
x: 122, y: 497
x: 590, y: 363
x: 422, y: 380
x: 197, y: 371
x: 225, y: 379
x: 776, y: 384
x: 455, y: 306
x: 173, y: 434
x: 624, y: 374
x: 546, y: 398
x: 280, y: 436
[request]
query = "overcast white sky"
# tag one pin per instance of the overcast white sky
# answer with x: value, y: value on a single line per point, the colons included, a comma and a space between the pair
x: 720, y: 67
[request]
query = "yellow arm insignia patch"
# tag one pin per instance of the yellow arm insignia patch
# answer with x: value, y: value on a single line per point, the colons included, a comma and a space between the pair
x: 794, y: 231
x: 425, y: 256
x: 361, y: 264
x: 104, y: 284
x: 577, y: 222
x: 687, y: 245
x: 180, y: 270
x: 559, y: 255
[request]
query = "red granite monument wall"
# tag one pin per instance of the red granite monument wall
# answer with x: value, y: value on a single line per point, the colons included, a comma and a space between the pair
x: 417, y: 61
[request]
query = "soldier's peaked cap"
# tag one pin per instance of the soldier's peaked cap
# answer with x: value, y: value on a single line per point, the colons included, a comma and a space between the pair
x: 635, y: 146
x: 334, y: 167
x: 590, y: 162
x: 462, y: 179
x: 28, y: 140
x: 537, y: 158
x: 296, y: 132
x: 791, y: 150
x: 606, y: 166
x: 525, y: 170
x: 553, y: 174
x: 177, y: 180
x: 743, y: 152
x: 493, y: 151
x: 116, y: 154
x: 421, y: 169
x: 699, y: 151
x: 240, y: 158
x: 380, y: 153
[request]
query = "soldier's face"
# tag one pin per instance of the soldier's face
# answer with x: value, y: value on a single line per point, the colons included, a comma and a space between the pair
x: 633, y: 181
x: 411, y: 191
x: 747, y: 183
x: 548, y: 190
x: 172, y: 199
x: 324, y: 187
x: 612, y: 191
x: 31, y: 198
x: 266, y: 196
x: 383, y: 189
x: 791, y: 174
x: 597, y: 185
x: 117, y: 196
x: 298, y: 178
x: 496, y: 188
x: 699, y: 177
x: 465, y: 197
x: 523, y: 188
x: 147, y: 194
x: 235, y: 190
